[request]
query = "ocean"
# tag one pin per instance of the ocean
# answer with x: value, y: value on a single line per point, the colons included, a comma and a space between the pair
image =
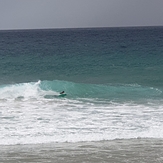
x: 113, y: 108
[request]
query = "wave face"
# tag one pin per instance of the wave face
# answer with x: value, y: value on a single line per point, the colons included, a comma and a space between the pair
x: 125, y: 92
x: 33, y: 112
x: 102, y: 91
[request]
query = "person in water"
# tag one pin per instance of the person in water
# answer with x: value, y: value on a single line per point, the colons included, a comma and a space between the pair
x: 62, y: 92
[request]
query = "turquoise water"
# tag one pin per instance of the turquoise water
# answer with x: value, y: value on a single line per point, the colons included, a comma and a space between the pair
x: 112, y: 77
x: 104, y: 55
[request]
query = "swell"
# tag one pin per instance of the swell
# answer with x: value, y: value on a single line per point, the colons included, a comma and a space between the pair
x: 79, y: 90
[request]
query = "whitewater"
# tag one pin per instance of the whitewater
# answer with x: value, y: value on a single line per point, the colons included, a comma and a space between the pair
x: 33, y: 113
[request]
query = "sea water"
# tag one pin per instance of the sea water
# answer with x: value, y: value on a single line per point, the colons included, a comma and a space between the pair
x: 113, y: 81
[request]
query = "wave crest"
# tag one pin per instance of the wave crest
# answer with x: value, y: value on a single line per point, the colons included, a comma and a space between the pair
x: 78, y: 90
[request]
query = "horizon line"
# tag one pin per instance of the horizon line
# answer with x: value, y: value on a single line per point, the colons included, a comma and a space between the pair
x: 60, y: 28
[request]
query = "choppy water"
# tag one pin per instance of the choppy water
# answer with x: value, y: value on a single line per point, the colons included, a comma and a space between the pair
x: 112, y: 78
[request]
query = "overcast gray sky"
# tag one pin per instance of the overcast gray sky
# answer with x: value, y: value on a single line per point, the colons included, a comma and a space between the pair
x: 36, y: 14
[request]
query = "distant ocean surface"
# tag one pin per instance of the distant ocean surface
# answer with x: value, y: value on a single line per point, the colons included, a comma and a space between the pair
x: 113, y: 78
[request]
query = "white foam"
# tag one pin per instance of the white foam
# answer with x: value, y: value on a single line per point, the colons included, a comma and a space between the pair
x: 35, y: 119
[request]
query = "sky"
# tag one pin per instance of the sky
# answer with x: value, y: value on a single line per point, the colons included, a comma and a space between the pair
x: 38, y: 14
